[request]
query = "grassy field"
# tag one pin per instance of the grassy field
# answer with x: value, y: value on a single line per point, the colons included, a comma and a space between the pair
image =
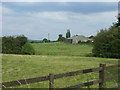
x: 61, y: 49
x: 54, y: 59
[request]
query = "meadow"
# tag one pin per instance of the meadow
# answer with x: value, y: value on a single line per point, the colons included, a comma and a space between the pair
x: 54, y: 58
x: 61, y: 49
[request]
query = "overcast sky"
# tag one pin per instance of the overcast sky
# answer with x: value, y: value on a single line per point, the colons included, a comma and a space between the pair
x: 36, y: 19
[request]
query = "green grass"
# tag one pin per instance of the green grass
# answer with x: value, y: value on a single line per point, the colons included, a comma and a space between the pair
x: 61, y: 49
x: 17, y: 67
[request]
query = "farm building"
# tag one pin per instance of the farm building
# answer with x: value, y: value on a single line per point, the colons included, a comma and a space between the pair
x: 75, y: 39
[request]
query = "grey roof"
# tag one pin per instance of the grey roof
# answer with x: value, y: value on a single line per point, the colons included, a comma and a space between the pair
x: 79, y: 37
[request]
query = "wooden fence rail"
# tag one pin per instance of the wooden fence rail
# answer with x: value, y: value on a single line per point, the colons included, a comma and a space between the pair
x: 51, y: 77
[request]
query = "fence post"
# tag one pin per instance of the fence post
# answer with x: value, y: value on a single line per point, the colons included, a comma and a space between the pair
x: 51, y: 81
x: 102, y: 76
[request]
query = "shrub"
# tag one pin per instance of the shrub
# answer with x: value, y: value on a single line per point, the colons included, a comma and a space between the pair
x: 28, y: 49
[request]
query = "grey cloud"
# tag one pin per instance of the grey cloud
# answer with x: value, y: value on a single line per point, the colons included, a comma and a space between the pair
x: 76, y: 7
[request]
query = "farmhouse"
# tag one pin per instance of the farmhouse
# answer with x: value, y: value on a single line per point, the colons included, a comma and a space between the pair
x: 75, y: 39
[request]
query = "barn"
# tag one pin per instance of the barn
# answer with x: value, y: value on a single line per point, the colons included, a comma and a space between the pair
x: 75, y: 39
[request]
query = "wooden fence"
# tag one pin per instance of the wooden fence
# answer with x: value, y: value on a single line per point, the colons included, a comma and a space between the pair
x: 52, y: 77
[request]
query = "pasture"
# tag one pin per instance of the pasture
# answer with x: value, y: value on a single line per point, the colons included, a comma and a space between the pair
x: 54, y: 58
x: 61, y: 49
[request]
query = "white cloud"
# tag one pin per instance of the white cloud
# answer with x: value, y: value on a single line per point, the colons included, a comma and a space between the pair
x: 50, y: 15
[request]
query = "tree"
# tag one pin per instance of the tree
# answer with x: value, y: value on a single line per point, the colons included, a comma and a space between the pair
x: 117, y: 24
x: 61, y: 38
x: 91, y: 37
x: 19, y: 41
x: 106, y: 43
x: 7, y: 45
x: 45, y: 40
x: 68, y: 35
x: 13, y: 45
x: 22, y: 39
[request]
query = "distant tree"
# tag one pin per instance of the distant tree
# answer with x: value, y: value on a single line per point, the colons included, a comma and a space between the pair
x: 45, y: 40
x: 35, y: 41
x: 61, y: 38
x: 68, y: 34
x: 91, y: 37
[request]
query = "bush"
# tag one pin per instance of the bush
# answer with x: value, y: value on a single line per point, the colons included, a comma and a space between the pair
x: 106, y: 43
x: 28, y: 49
x: 13, y: 45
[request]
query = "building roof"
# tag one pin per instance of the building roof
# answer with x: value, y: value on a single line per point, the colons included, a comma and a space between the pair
x: 79, y: 37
